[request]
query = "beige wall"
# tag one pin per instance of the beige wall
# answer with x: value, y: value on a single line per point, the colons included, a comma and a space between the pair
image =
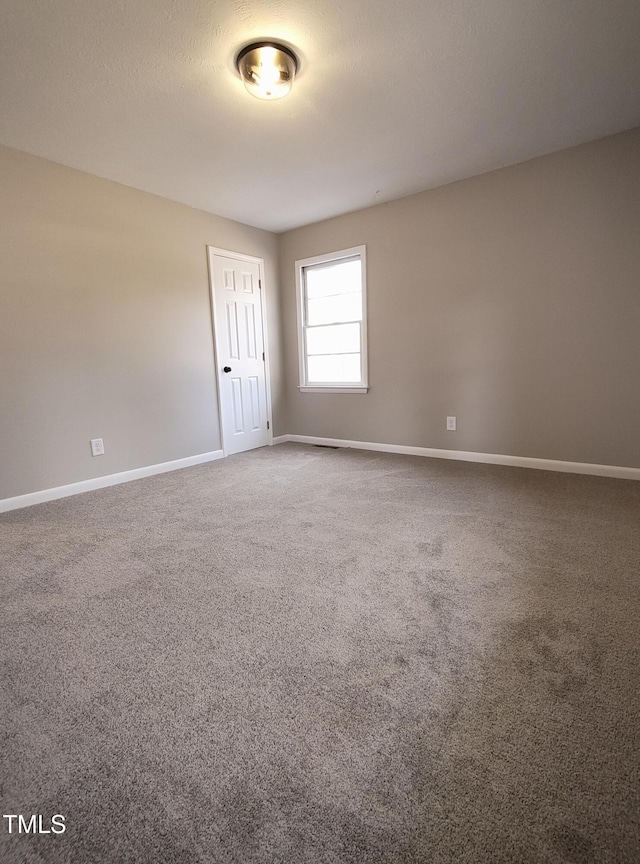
x: 511, y: 300
x: 105, y: 327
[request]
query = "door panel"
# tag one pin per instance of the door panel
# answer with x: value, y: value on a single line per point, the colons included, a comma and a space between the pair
x: 236, y: 403
x: 250, y: 327
x: 239, y: 347
x: 247, y: 283
x: 233, y: 341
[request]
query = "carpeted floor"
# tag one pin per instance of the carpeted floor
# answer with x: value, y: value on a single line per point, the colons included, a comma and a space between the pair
x: 310, y: 655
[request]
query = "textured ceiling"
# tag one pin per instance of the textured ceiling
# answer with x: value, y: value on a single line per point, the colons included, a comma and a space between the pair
x: 392, y: 98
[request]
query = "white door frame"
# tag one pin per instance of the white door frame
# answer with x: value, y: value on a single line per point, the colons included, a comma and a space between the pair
x: 239, y: 256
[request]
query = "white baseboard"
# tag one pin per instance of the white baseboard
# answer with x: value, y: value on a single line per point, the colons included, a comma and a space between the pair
x: 101, y: 482
x: 468, y: 456
x: 281, y: 439
x: 31, y: 498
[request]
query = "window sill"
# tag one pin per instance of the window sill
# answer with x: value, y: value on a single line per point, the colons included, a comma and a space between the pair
x: 333, y: 389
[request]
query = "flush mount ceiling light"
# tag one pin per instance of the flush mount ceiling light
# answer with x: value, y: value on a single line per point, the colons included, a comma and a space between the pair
x: 267, y: 69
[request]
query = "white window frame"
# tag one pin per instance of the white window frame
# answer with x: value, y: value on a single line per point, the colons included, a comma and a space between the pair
x: 331, y: 387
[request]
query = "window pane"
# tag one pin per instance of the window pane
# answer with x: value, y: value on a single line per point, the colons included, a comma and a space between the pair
x: 341, y: 339
x: 334, y: 369
x: 339, y: 278
x: 332, y: 310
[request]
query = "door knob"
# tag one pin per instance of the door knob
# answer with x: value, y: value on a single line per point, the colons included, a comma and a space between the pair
x: 227, y: 369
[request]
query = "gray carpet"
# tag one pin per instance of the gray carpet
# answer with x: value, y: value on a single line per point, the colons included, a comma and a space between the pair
x: 307, y: 655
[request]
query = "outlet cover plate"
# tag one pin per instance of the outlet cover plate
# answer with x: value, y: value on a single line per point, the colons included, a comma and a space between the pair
x: 97, y: 447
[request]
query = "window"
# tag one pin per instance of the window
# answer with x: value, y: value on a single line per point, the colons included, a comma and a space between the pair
x: 332, y: 326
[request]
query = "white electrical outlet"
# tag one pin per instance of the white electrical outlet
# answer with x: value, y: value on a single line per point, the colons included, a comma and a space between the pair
x: 451, y: 424
x: 97, y: 447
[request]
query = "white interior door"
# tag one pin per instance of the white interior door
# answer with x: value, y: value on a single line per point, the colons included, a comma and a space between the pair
x: 240, y: 357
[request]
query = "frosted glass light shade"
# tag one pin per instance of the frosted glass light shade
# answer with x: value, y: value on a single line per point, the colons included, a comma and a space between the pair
x: 267, y: 69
